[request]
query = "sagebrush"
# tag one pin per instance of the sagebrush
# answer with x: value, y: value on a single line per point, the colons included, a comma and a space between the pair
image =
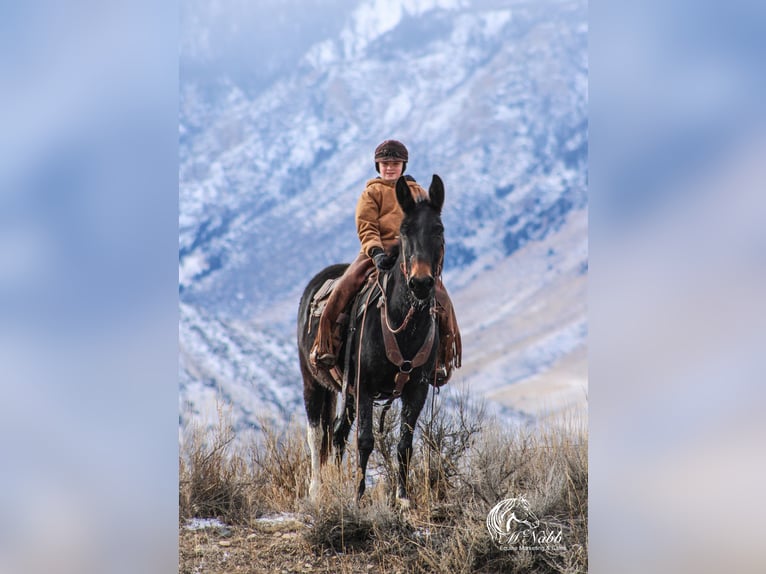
x: 464, y: 463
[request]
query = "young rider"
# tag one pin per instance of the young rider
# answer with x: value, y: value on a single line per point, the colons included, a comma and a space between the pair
x: 378, y: 217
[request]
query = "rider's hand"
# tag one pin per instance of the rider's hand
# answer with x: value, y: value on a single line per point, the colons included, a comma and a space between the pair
x: 383, y: 261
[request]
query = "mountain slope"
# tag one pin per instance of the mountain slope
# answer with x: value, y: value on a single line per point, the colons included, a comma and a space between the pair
x: 490, y: 95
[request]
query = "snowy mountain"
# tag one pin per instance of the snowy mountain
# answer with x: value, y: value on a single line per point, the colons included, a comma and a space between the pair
x: 225, y: 365
x: 491, y: 95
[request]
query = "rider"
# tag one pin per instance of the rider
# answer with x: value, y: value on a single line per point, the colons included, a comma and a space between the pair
x: 378, y: 217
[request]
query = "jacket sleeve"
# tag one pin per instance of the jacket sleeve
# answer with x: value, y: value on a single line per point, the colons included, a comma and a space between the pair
x: 367, y: 220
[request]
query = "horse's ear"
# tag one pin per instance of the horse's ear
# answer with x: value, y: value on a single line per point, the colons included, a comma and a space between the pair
x: 436, y: 192
x: 404, y: 195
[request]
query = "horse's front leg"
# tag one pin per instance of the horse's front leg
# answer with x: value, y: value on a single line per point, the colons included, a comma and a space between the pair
x: 413, y: 400
x: 365, y: 440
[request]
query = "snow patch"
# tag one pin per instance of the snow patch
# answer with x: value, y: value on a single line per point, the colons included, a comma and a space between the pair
x: 495, y: 21
x: 191, y: 266
x: 373, y: 19
x: 398, y: 108
x: 284, y: 521
x: 203, y: 523
x: 281, y: 517
x: 322, y: 54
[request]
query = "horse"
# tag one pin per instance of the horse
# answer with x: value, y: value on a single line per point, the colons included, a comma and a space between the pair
x: 378, y: 370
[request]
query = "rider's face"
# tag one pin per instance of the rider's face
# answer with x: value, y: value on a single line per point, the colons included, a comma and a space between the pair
x: 390, y: 170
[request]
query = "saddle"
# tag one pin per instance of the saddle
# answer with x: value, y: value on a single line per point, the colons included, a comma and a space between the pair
x: 337, y: 378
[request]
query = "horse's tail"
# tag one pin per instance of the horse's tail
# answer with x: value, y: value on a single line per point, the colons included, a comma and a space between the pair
x: 320, y: 412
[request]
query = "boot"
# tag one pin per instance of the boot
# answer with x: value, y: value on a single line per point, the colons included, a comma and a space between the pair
x: 322, y: 358
x: 322, y: 355
x: 329, y: 357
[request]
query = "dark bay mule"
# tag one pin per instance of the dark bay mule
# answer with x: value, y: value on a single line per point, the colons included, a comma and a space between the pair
x: 406, y: 315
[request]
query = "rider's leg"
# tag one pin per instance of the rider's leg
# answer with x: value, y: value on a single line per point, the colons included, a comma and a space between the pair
x: 323, y: 352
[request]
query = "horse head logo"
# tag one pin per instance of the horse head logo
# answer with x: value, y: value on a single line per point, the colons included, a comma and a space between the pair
x: 509, y: 519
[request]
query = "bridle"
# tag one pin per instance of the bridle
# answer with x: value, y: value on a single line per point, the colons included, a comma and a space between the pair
x: 393, y: 352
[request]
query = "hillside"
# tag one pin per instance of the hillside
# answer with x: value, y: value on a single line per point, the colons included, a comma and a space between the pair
x: 491, y: 95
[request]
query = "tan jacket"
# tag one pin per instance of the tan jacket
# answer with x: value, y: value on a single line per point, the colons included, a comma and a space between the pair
x: 378, y: 215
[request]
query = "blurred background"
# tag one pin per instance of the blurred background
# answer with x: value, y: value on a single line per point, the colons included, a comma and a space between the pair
x: 157, y: 154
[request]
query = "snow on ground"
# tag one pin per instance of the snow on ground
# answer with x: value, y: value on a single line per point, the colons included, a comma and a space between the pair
x: 203, y: 523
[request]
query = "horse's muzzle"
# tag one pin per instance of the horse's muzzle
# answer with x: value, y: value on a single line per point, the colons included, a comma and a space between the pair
x: 421, y: 286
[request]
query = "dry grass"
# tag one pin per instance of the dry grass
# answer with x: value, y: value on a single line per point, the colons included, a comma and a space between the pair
x: 464, y: 463
x: 213, y: 483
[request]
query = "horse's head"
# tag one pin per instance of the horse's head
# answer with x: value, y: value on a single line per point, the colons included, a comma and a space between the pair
x: 422, y: 237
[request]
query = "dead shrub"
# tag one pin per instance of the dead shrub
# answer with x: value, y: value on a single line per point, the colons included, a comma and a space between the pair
x: 211, y: 484
x: 281, y: 466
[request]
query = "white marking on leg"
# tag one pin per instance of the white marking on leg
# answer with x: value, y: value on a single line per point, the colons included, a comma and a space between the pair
x: 315, y: 445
